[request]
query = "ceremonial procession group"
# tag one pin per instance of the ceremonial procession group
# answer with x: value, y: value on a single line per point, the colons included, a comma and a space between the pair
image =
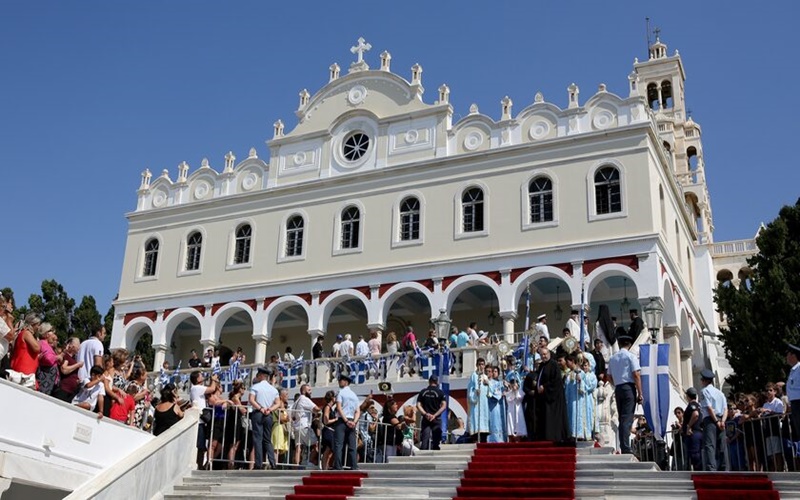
x: 577, y: 392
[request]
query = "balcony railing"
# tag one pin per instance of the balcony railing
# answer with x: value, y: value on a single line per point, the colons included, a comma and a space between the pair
x: 737, y: 247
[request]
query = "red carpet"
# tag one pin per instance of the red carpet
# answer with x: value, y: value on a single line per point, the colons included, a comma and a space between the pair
x: 523, y: 471
x: 727, y: 486
x: 327, y: 486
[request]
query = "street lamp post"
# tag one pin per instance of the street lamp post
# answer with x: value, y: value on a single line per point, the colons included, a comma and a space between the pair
x: 653, y: 312
x: 442, y: 323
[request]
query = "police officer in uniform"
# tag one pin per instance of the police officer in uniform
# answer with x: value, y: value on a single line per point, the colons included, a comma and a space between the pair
x: 431, y: 404
x: 625, y: 373
x: 793, y: 388
x: 714, y: 406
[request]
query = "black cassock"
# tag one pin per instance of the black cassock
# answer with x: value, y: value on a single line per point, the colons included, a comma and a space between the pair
x: 529, y: 403
x: 551, y: 405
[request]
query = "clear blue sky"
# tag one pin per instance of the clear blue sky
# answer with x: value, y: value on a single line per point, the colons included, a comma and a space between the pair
x: 92, y: 92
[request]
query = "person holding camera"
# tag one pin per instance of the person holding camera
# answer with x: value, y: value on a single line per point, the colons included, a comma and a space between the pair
x: 198, y: 394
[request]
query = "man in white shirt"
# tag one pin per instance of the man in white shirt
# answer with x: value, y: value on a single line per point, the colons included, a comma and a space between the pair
x: 302, y: 412
x: 346, y: 348
x: 336, y: 347
x: 91, y: 353
x: 541, y: 327
x: 197, y: 394
x: 264, y: 400
x: 362, y: 348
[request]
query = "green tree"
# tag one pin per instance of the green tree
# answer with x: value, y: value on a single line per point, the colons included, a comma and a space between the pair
x: 85, y: 318
x: 764, y: 313
x: 55, y: 305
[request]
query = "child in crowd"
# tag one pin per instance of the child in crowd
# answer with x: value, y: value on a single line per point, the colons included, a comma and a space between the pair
x: 123, y: 405
x: 92, y: 393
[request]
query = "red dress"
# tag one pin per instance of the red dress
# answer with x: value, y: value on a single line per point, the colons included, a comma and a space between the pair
x: 22, y: 360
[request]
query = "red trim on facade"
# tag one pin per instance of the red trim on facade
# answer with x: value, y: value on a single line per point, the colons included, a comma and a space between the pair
x: 494, y: 276
x: 216, y: 307
x: 516, y: 273
x: 366, y: 290
x: 306, y: 297
x: 200, y: 309
x: 448, y: 280
x: 626, y: 260
x: 427, y: 284
x: 252, y: 303
x: 384, y: 288
x: 324, y: 295
x: 663, y: 267
x: 566, y: 267
x: 167, y: 312
x: 151, y: 315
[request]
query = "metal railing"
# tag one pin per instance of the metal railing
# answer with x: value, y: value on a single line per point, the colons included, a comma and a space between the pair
x: 756, y: 444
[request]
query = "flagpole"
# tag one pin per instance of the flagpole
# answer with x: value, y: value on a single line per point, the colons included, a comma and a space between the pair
x: 583, y: 322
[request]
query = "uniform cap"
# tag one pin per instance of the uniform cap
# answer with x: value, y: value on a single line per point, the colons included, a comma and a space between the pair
x: 707, y: 374
x: 791, y: 348
x: 541, y: 316
x: 691, y: 391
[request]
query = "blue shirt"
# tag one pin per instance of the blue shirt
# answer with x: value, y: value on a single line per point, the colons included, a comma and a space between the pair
x: 793, y: 383
x: 463, y: 339
x: 622, y: 366
x: 265, y: 394
x: 711, y: 397
x: 349, y: 401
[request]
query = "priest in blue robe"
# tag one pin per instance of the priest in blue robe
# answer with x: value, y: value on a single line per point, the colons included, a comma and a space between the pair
x: 477, y: 397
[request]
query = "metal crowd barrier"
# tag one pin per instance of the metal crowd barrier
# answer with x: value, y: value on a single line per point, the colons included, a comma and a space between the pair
x: 755, y: 444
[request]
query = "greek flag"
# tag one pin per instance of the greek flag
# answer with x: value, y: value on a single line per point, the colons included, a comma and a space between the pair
x: 288, y: 377
x: 163, y: 376
x: 428, y: 367
x: 216, y: 369
x: 654, y: 360
x: 359, y: 375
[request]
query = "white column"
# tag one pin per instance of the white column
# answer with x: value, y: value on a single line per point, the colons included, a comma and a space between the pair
x: 161, y: 354
x: 687, y: 372
x: 509, y: 319
x: 261, y: 348
x: 672, y: 337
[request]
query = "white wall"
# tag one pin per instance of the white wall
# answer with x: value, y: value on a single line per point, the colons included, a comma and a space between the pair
x: 79, y: 446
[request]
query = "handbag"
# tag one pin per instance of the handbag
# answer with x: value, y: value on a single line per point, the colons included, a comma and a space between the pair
x: 205, y: 416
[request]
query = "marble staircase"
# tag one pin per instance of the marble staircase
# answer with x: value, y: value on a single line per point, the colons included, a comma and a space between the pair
x: 435, y: 475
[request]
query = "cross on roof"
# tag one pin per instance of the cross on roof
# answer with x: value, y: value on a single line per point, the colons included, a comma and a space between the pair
x: 360, y: 49
x: 657, y: 31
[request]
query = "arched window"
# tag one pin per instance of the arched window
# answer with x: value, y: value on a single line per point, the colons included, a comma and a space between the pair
x: 294, y: 236
x: 241, y: 253
x: 351, y: 221
x: 540, y: 194
x: 409, y: 219
x: 194, y: 245
x: 652, y: 95
x: 666, y: 94
x: 472, y: 210
x: 607, y: 192
x: 150, y: 257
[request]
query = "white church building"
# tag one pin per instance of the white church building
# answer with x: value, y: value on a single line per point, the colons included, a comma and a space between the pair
x: 375, y: 211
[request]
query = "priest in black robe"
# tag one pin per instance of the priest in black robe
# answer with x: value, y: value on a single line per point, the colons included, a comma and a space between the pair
x: 551, y: 402
x: 529, y: 391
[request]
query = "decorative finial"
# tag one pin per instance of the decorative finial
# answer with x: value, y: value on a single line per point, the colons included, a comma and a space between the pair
x: 146, y: 176
x: 416, y: 74
x: 229, y: 159
x: 334, y: 72
x: 473, y: 109
x: 204, y: 163
x: 360, y: 64
x: 253, y: 153
x: 183, y: 169
x: 635, y: 60
x: 539, y: 97
x: 601, y: 87
x: 278, y: 129
x: 386, y: 59
x: 506, y: 104
x: 444, y: 94
x: 304, y: 96
x: 573, y: 92
x: 165, y: 173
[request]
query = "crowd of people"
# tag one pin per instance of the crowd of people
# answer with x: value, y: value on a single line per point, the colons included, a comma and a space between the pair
x: 78, y: 373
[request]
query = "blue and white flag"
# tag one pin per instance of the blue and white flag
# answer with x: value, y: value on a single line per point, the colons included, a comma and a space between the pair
x: 216, y: 369
x: 527, y: 307
x: 359, y: 374
x: 654, y: 360
x: 428, y: 366
x: 288, y: 377
x: 445, y: 361
x: 163, y: 376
